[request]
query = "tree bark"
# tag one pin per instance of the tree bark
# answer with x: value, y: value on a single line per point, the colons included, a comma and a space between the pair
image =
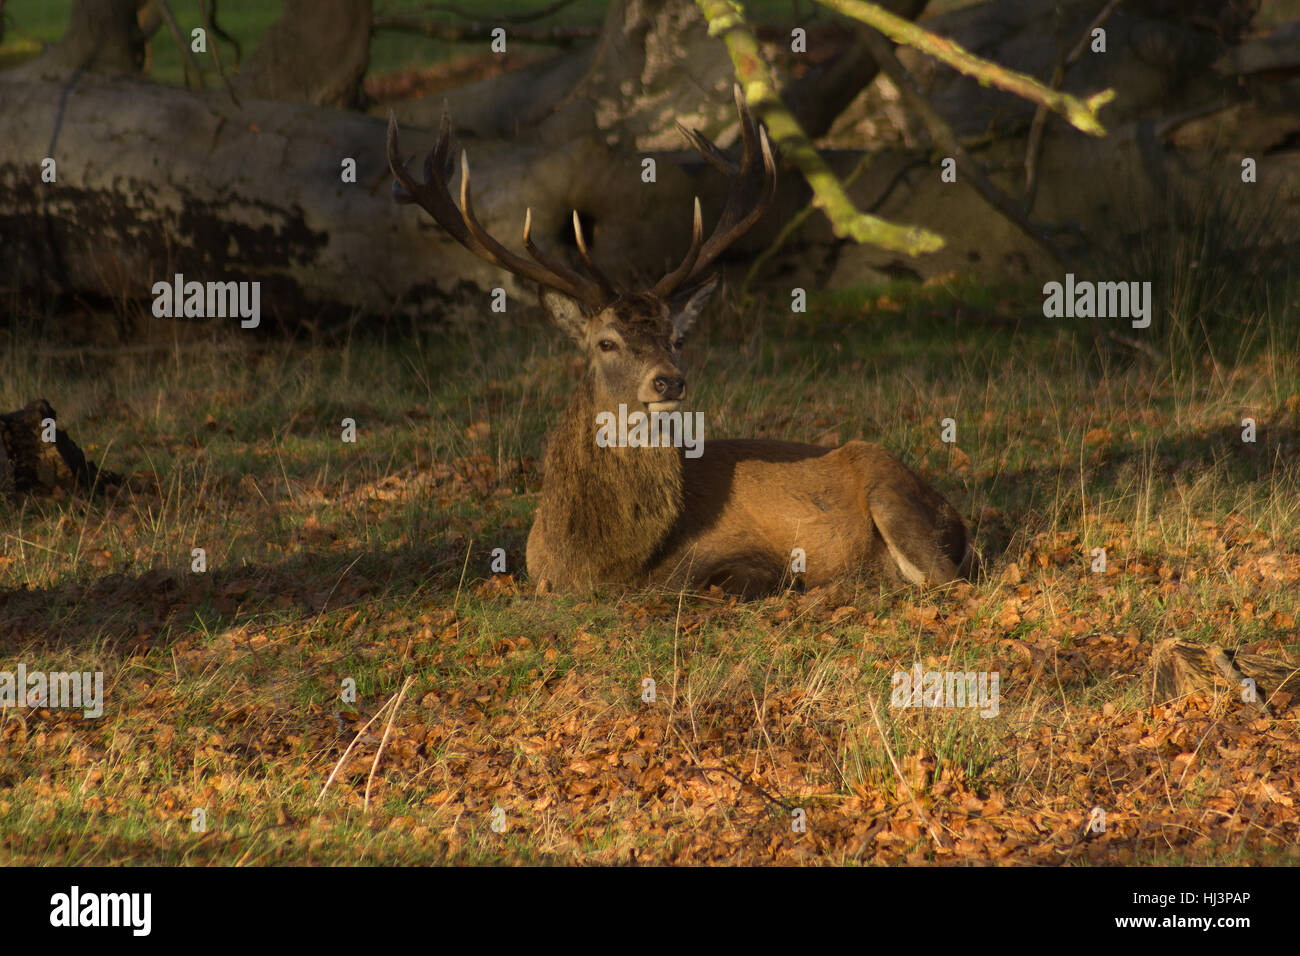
x: 1182, y: 667
x: 102, y: 36
x: 316, y: 53
x: 653, y: 64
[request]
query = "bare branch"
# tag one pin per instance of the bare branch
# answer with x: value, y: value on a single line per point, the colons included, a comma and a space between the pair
x: 472, y: 32
x: 1081, y: 114
x: 1034, y: 146
x: 186, y: 53
x: 210, y: 23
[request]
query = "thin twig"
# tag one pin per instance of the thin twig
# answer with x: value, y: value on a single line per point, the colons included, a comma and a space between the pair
x: 1034, y: 148
x: 456, y: 600
x: 775, y: 801
x: 392, y: 715
x: 214, y: 31
x: 186, y: 53
x: 342, y: 760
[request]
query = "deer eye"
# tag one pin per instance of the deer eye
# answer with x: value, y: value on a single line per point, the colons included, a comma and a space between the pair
x: 679, y: 343
x: 607, y: 345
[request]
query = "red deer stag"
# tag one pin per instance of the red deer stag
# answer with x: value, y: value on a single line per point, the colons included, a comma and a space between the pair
x: 733, y: 515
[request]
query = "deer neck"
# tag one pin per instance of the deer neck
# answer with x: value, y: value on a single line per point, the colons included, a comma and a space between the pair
x: 605, y: 510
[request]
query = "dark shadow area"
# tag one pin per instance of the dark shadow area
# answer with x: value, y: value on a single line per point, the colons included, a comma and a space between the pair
x: 1109, y: 468
x: 131, y: 613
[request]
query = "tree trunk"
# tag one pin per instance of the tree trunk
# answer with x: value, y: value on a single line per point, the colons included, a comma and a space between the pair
x: 654, y: 64
x: 316, y: 53
x: 102, y: 37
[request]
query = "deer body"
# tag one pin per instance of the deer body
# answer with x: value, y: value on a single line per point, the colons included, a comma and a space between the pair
x: 733, y: 516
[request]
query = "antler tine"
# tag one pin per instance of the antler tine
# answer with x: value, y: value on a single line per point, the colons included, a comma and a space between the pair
x: 404, y: 187
x: 431, y: 195
x: 491, y: 249
x: 566, y: 281
x: 748, y: 128
x: 733, y: 223
x: 601, y: 278
x: 544, y: 260
x: 669, y: 283
x: 728, y: 229
x: 716, y: 157
x: 434, y: 197
x: 437, y: 164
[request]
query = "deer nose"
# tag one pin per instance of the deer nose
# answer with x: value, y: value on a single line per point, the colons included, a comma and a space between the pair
x: 671, y: 388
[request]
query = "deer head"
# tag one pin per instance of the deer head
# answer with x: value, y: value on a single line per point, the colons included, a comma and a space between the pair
x: 632, y: 339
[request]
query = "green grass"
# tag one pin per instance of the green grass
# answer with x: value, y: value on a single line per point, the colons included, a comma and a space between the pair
x: 369, y: 562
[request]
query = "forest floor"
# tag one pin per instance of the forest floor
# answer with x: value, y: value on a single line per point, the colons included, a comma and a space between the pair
x: 527, y: 729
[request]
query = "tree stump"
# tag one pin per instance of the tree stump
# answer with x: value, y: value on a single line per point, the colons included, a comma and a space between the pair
x: 31, y: 465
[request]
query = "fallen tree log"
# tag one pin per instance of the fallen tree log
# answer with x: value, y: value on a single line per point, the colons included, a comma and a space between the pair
x: 149, y: 182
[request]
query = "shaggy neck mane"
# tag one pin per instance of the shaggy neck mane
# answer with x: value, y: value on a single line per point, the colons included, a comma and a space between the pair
x: 607, y: 508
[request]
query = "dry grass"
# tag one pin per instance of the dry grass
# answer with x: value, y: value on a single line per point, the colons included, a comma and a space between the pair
x: 369, y: 562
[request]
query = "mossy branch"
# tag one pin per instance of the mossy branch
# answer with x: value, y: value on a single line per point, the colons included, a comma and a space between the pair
x: 1081, y: 114
x: 727, y: 20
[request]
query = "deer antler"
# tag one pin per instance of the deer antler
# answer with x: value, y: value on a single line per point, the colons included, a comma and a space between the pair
x: 433, y: 196
x: 598, y: 291
x: 733, y: 223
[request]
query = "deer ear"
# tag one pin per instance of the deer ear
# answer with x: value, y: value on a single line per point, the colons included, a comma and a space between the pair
x: 685, y: 315
x: 566, y: 313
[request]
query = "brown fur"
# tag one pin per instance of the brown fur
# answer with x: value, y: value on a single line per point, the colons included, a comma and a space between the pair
x: 731, y: 517
x: 604, y: 511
